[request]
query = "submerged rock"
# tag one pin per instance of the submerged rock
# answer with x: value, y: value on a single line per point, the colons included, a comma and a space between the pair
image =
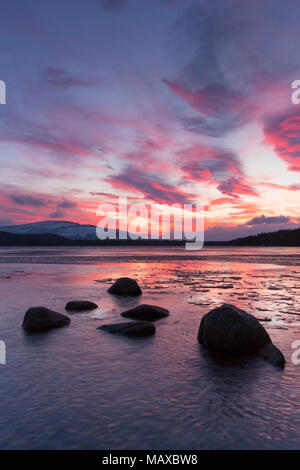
x: 235, y: 332
x: 135, y: 328
x: 78, y: 305
x: 146, y: 312
x: 125, y: 286
x: 38, y: 319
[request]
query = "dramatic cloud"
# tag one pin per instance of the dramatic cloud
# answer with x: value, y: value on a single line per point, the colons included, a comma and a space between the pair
x: 66, y: 204
x: 62, y: 208
x: 282, y: 132
x: 199, y: 160
x: 28, y: 200
x: 220, y: 201
x: 236, y: 186
x: 186, y: 101
x: 58, y: 214
x: 35, y: 135
x: 216, y: 166
x: 229, y: 56
x: 280, y: 219
x: 150, y: 185
x: 291, y: 187
x: 215, y: 101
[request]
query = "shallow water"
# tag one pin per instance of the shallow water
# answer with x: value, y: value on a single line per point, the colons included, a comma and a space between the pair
x: 81, y: 388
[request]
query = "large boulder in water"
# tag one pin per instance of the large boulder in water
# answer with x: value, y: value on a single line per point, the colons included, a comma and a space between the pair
x: 135, y: 328
x: 272, y: 354
x: 39, y: 319
x: 78, y: 305
x: 146, y: 312
x: 126, y: 287
x: 232, y: 331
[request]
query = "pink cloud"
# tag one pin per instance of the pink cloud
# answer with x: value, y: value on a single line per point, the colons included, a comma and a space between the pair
x: 209, y: 100
x: 282, y: 132
x: 150, y: 185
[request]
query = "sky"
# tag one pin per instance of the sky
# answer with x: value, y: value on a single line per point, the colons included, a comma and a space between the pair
x: 161, y: 101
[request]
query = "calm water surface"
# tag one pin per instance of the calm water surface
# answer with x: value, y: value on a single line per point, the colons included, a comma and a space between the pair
x: 81, y: 388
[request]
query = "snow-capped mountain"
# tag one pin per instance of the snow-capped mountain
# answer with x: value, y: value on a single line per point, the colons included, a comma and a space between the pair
x: 70, y: 230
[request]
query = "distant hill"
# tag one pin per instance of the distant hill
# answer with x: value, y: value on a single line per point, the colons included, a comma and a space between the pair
x: 11, y: 239
x: 73, y: 234
x: 63, y: 228
x: 48, y: 239
x: 279, y: 238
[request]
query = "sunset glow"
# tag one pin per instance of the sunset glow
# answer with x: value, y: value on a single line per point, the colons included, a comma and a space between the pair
x: 157, y: 101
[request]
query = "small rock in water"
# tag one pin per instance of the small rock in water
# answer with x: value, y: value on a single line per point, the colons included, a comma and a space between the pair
x: 39, y: 319
x: 135, y: 328
x: 126, y: 287
x: 78, y: 305
x: 146, y: 312
x: 235, y: 332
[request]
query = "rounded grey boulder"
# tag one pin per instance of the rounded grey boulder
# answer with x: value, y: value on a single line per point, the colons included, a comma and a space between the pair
x: 146, y: 312
x: 233, y: 331
x: 39, y: 319
x: 78, y: 305
x: 135, y: 328
x: 125, y: 286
